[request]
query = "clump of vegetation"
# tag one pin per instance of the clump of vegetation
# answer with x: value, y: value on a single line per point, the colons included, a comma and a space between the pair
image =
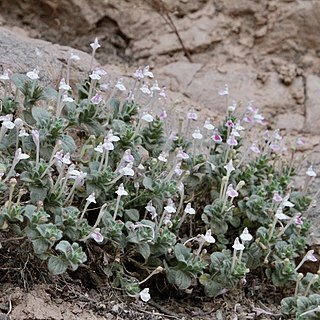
x: 199, y: 205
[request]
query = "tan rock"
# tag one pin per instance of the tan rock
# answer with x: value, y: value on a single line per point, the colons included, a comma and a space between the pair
x: 312, y: 104
x: 290, y: 121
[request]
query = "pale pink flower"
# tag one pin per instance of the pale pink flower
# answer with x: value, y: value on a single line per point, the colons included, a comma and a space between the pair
x: 96, y: 99
x: 277, y: 197
x: 232, y: 141
x: 163, y: 115
x: 232, y: 193
x: 229, y: 124
x: 191, y: 115
x: 254, y: 148
x: 96, y: 235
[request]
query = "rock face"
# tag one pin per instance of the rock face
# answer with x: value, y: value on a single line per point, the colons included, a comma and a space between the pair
x: 21, y: 54
x: 266, y: 51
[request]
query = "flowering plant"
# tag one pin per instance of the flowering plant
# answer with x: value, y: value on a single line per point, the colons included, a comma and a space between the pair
x: 199, y: 204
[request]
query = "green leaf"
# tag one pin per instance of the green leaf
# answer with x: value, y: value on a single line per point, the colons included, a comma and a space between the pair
x: 217, y: 260
x: 147, y: 183
x: 63, y: 246
x: 40, y: 246
x: 94, y: 128
x: 182, y: 253
x: 144, y: 249
x: 38, y: 194
x: 40, y: 114
x: 68, y: 144
x: 253, y: 254
x: 179, y: 278
x: 49, y: 93
x: 19, y: 80
x: 211, y: 287
x: 28, y: 118
x: 57, y: 265
x: 132, y: 214
x: 288, y: 306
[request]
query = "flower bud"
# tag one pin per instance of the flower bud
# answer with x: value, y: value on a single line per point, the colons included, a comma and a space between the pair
x: 12, y: 182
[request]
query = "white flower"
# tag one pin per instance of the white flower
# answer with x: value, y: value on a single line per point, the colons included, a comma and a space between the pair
x: 151, y: 209
x: 162, y: 157
x: 163, y: 93
x: 95, y: 76
x: 127, y: 170
x: 5, y: 76
x: 96, y: 235
x: 189, y: 209
x: 170, y: 207
x: 310, y: 172
x: 18, y: 123
x: 145, y: 89
x: 286, y: 203
x: 167, y: 219
x: 121, y: 192
x: 77, y: 175
x: 99, y: 148
x: 8, y: 124
x: 74, y: 57
x: 233, y: 107
x: 147, y: 72
x: 155, y: 86
x: 229, y: 167
x: 95, y: 45
x: 237, y: 245
x: 63, y: 85
x: 225, y: 91
x: 66, y: 159
x: 91, y: 198
x: 20, y: 156
x: 100, y: 71
x: 238, y: 126
x: 208, y: 237
x: 280, y: 215
x: 23, y: 133
x: 147, y: 117
x: 66, y: 98
x: 120, y: 86
x: 33, y: 75
x: 197, y: 134
x: 208, y: 125
x: 145, y: 295
x: 111, y: 137
x: 139, y: 73
x: 245, y: 235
